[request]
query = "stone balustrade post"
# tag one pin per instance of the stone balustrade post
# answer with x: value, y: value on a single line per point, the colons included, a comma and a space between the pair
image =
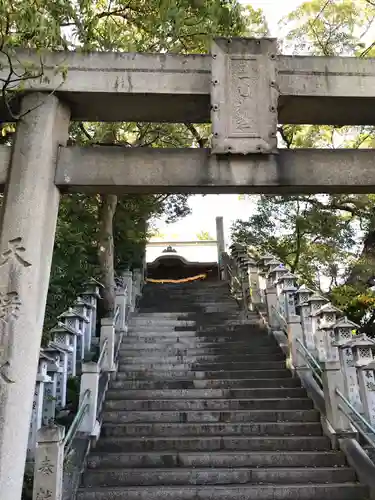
x: 345, y: 341
x: 274, y: 301
x: 108, y: 335
x: 91, y: 294
x: 332, y: 379
x: 303, y: 309
x: 295, y: 335
x: 253, y: 273
x: 220, y: 242
x: 84, y: 308
x: 128, y: 282
x: 362, y: 348
x: 271, y: 302
x: 332, y: 376
x: 121, y: 300
x: 137, y: 286
x: 50, y: 389
x: 315, y: 302
x: 244, y: 280
x: 37, y: 408
x: 49, y: 464
x: 366, y: 379
x: 90, y: 386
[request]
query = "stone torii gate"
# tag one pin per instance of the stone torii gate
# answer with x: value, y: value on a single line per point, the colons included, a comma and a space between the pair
x: 244, y: 87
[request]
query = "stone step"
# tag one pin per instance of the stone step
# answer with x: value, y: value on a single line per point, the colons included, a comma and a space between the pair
x: 334, y: 491
x: 140, y: 320
x: 166, y: 375
x: 162, y: 334
x: 169, y: 354
x: 212, y: 443
x: 208, y: 394
x: 221, y: 405
x: 213, y: 429
x: 157, y: 315
x: 274, y: 415
x: 203, y: 335
x: 200, y: 347
x: 217, y: 459
x: 179, y: 364
x: 206, y: 384
x: 181, y: 476
x: 235, y: 346
x: 190, y: 336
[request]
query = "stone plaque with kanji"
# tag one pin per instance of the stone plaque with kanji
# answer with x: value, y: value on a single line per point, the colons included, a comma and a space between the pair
x: 244, y: 96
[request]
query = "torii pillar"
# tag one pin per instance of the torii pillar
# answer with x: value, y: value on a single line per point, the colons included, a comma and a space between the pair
x: 28, y: 221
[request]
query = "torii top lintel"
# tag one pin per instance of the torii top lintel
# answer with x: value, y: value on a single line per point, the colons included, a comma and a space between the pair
x: 113, y: 86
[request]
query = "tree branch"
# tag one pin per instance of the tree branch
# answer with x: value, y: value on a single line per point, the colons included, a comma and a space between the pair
x: 194, y: 132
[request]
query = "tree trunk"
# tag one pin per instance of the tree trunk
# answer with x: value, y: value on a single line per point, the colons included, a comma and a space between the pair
x: 364, y: 269
x: 106, y: 213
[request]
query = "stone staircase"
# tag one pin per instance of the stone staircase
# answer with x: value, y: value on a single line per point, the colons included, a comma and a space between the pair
x: 210, y: 414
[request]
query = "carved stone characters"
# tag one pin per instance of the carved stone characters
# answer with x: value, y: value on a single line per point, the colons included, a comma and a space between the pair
x: 10, y: 303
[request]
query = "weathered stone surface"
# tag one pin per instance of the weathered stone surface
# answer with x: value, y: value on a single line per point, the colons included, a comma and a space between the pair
x: 137, y: 170
x: 169, y: 87
x: 244, y: 95
x: 162, y: 437
x: 27, y: 237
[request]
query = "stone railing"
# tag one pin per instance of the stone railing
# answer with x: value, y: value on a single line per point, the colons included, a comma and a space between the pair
x: 335, y: 364
x: 55, y: 452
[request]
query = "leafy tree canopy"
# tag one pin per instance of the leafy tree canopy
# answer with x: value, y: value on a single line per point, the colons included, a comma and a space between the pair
x: 327, y: 239
x: 101, y: 235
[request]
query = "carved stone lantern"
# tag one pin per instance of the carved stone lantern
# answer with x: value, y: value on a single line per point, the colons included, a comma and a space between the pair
x: 63, y: 334
x: 265, y: 259
x: 275, y: 274
x: 343, y: 340
x: 324, y: 319
x: 91, y: 294
x: 60, y: 352
x: 362, y: 348
x: 75, y: 320
x: 315, y: 302
x: 343, y: 331
x: 49, y: 402
x: 302, y: 296
x: 286, y: 288
x: 84, y: 308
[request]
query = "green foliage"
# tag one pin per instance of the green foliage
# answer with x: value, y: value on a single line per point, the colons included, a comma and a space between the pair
x: 321, y: 27
x: 359, y: 307
x: 177, y: 26
x: 321, y: 236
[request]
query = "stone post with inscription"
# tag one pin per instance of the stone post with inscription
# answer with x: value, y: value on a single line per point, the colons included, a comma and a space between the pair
x: 220, y: 242
x: 37, y: 410
x: 49, y: 463
x: 28, y: 225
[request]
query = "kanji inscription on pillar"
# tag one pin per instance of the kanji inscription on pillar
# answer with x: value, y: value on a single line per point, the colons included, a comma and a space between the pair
x: 244, y: 96
x: 11, y: 259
